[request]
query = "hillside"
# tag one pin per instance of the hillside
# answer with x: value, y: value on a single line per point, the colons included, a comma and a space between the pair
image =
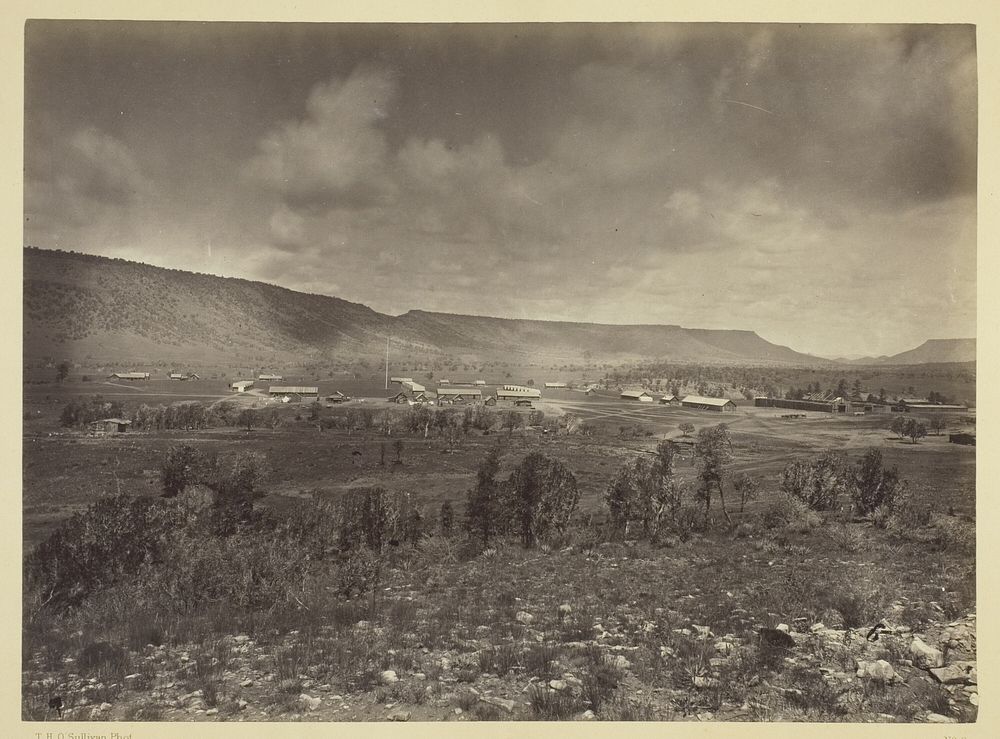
x: 932, y: 351
x: 94, y: 308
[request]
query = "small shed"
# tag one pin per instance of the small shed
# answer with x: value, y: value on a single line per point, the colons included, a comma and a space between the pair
x: 555, y: 384
x: 110, y: 425
x: 337, y: 397
x: 479, y: 382
x: 670, y: 399
x: 129, y: 376
x: 241, y: 386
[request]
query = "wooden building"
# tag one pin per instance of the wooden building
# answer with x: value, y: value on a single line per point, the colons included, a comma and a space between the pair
x: 698, y: 402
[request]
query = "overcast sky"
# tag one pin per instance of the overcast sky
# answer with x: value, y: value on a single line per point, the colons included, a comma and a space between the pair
x: 815, y: 184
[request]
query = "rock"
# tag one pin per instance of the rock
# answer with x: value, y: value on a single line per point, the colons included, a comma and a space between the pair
x: 241, y: 704
x: 399, y: 716
x: 246, y: 683
x: 309, y: 703
x: 564, y: 610
x: 504, y: 703
x: 388, y: 677
x: 937, y: 718
x: 959, y: 673
x: 616, y: 660
x: 524, y: 617
x: 877, y: 670
x: 783, y: 627
x: 704, y: 682
x: 241, y: 639
x: 723, y: 647
x: 925, y: 655
x: 703, y: 631
x: 587, y: 715
x: 974, y: 699
x: 419, y: 676
x: 776, y: 638
x: 211, y: 711
x: 557, y: 684
x: 817, y: 627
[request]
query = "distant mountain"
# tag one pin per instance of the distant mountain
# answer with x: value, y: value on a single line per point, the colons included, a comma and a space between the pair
x: 92, y: 308
x: 932, y: 351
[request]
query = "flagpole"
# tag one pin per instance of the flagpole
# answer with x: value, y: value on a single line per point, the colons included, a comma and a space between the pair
x: 386, y: 362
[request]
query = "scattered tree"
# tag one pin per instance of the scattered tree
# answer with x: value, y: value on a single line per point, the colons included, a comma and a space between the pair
x: 686, y: 428
x: 713, y: 449
x: 483, y: 510
x: 543, y: 497
x: 62, y: 371
x: 248, y: 418
x: 747, y: 488
x: 915, y: 430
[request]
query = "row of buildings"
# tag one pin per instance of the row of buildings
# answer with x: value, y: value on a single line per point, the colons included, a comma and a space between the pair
x: 831, y: 403
x: 697, y: 402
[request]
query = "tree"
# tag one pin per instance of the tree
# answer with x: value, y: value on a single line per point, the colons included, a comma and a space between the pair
x: 512, y: 420
x: 483, y: 512
x: 621, y: 498
x: 915, y: 430
x: 747, y: 488
x: 397, y: 447
x: 686, y: 428
x: 62, y: 371
x: 543, y: 497
x: 248, y: 418
x: 872, y: 485
x: 182, y: 466
x: 314, y: 410
x: 713, y: 449
x: 938, y: 424
x: 898, y: 426
x: 856, y: 388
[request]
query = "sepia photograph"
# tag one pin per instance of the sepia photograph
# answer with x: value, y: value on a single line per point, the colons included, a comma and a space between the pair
x: 499, y: 372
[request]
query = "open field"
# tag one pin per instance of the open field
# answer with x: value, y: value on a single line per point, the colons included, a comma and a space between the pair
x: 624, y: 630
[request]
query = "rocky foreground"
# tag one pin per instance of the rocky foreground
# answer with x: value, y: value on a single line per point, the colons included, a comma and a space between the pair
x: 883, y: 673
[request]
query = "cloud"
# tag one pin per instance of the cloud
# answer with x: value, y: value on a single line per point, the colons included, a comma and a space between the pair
x: 336, y: 155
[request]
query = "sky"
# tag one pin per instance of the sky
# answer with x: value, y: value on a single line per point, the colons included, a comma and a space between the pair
x: 813, y: 183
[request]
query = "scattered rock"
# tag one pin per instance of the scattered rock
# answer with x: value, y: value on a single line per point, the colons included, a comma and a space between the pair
x: 246, y: 683
x: 704, y: 682
x: 211, y: 711
x: 937, y: 718
x: 783, y: 627
x: 817, y: 627
x: 959, y: 673
x: 524, y: 617
x: 399, y: 716
x: 309, y: 703
x: 616, y: 660
x: 504, y: 703
x: 557, y: 684
x: 241, y: 704
x: 587, y: 715
x: 388, y: 677
x: 419, y: 676
x: 722, y: 647
x: 776, y: 638
x: 877, y: 670
x: 925, y: 655
x: 241, y: 639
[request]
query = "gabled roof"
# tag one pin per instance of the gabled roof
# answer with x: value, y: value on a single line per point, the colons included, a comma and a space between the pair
x: 131, y: 375
x: 293, y: 390
x: 701, y: 400
x: 457, y: 391
x: 241, y: 383
x: 633, y: 393
x: 122, y: 421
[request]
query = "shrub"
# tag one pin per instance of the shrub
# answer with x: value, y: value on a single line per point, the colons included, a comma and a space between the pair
x: 111, y: 539
x: 873, y: 486
x: 551, y: 705
x: 819, y: 484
